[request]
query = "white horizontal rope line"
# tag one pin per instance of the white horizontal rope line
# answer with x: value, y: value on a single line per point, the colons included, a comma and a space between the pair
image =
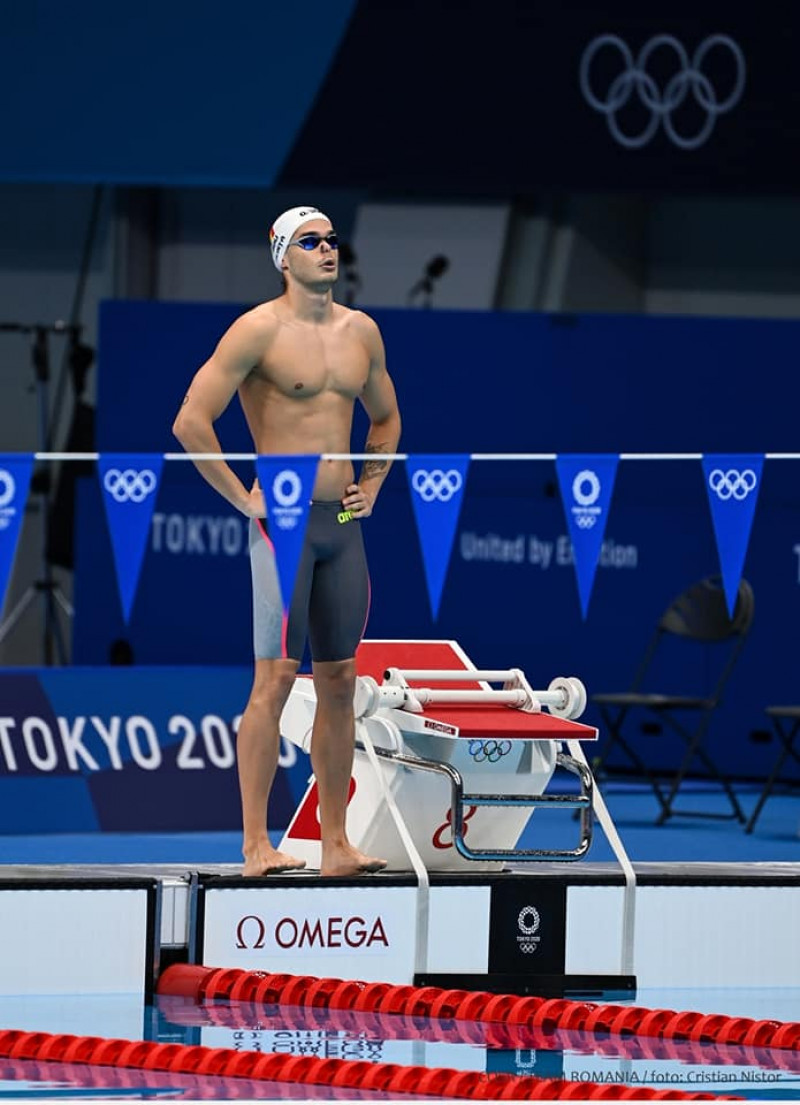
x: 209, y: 456
x: 363, y: 456
x: 404, y: 456
x: 661, y: 456
x: 513, y: 456
x: 65, y: 456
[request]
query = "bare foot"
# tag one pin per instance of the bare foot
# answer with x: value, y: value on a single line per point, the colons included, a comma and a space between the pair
x: 340, y: 862
x: 266, y: 860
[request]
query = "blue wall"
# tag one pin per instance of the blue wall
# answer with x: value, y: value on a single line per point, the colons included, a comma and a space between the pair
x: 483, y: 383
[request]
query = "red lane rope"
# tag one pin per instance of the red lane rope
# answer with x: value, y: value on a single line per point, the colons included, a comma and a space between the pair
x: 259, y: 1066
x: 192, y: 1087
x: 207, y: 984
x: 237, y: 1014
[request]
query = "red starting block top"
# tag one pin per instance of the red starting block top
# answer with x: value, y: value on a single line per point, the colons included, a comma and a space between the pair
x: 473, y: 720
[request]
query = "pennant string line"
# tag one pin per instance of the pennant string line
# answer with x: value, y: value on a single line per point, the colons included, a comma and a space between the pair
x: 130, y: 482
x: 404, y: 456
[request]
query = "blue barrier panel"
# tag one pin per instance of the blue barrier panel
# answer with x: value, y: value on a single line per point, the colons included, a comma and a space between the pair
x: 470, y: 382
x: 128, y: 750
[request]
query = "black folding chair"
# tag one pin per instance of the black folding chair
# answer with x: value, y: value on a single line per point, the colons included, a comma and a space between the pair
x: 786, y: 723
x: 699, y: 615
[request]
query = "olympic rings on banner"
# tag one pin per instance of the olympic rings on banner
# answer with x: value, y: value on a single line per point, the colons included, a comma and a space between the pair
x: 129, y: 486
x: 732, y: 484
x: 436, y: 484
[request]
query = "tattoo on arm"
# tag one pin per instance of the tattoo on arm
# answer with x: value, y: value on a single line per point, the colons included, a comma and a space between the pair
x: 375, y: 469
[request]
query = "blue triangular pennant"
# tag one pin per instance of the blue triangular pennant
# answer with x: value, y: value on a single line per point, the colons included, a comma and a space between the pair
x: 15, y: 482
x: 287, y: 483
x: 129, y: 484
x: 437, y: 487
x: 733, y: 482
x: 586, y: 482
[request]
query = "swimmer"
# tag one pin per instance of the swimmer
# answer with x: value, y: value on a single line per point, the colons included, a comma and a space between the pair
x: 299, y: 362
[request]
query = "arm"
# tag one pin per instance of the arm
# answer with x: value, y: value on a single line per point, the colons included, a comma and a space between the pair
x: 209, y: 394
x: 380, y: 402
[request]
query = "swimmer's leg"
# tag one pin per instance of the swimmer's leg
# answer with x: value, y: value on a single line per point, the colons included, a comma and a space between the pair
x: 258, y: 739
x: 257, y: 750
x: 332, y: 744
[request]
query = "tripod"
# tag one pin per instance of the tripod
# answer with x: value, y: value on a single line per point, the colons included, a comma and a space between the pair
x: 435, y: 268
x: 45, y: 587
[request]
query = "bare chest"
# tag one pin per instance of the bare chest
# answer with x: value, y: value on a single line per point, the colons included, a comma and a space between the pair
x: 304, y: 363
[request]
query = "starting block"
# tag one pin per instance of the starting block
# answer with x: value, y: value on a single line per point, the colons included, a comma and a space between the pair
x: 445, y: 759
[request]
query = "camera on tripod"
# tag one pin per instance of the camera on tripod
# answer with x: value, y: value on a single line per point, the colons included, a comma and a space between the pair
x: 57, y: 510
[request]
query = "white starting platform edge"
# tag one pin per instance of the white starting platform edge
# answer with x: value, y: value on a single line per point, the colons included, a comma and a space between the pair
x: 709, y: 925
x: 483, y: 914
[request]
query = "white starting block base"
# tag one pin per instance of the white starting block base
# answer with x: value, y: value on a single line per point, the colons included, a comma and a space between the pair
x: 692, y: 922
x: 544, y: 930
x: 495, y: 749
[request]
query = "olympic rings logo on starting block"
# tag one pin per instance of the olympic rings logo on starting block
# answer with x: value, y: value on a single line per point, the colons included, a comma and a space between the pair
x: 528, y: 924
x: 129, y: 486
x: 488, y: 751
x: 436, y: 484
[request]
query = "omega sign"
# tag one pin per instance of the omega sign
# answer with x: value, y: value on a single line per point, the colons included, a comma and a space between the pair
x: 309, y: 933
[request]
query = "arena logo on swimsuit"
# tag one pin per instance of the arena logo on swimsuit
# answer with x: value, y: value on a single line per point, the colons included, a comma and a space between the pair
x: 319, y: 932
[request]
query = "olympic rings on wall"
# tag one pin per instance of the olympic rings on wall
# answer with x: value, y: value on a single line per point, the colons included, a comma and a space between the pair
x: 634, y: 82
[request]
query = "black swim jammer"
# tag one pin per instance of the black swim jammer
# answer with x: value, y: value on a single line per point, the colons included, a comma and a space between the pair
x: 330, y: 602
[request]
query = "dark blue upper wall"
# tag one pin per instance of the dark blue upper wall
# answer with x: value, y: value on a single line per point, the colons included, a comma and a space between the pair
x: 407, y: 97
x: 497, y: 382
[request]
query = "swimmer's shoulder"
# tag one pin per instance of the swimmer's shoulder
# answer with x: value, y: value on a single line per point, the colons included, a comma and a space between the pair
x: 255, y: 329
x: 265, y: 318
x: 362, y: 325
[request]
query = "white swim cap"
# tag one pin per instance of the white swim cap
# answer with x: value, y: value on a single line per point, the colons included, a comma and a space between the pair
x: 286, y: 225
